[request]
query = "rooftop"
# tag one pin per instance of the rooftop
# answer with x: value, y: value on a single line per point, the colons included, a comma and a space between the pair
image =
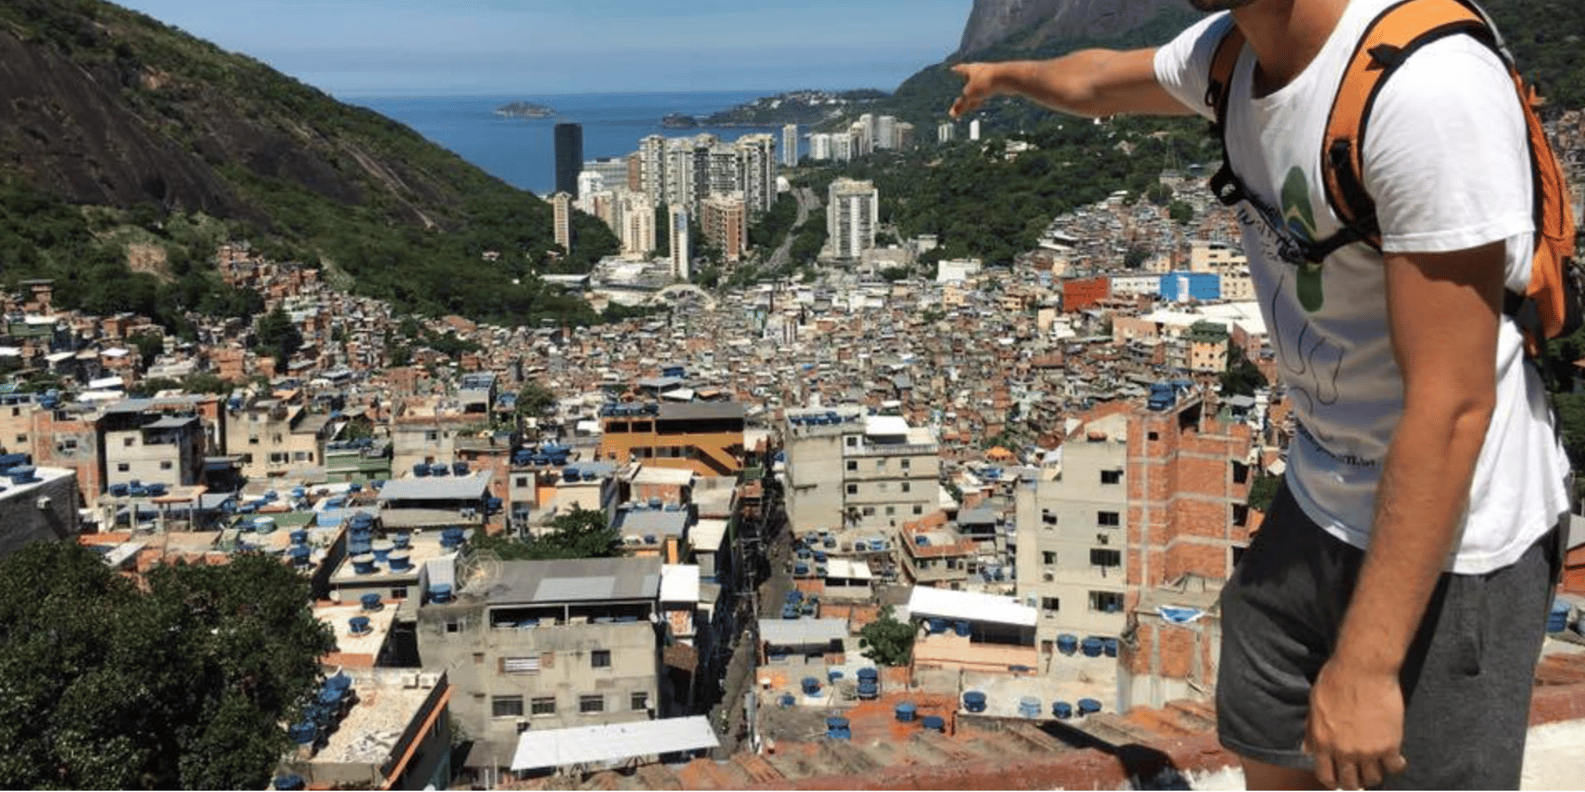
x: 575, y: 580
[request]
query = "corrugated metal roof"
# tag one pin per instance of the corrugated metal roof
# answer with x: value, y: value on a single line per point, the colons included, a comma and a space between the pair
x: 576, y: 580
x: 630, y: 522
x: 473, y: 485
x: 586, y: 744
x: 696, y: 411
x: 802, y: 632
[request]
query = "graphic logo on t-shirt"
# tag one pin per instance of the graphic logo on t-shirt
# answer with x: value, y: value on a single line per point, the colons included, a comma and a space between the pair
x: 1299, y: 221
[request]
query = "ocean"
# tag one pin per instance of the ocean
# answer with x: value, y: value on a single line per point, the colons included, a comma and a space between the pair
x: 521, y: 151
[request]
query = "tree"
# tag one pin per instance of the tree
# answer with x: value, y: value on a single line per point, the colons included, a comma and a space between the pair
x: 149, y: 346
x: 580, y: 533
x: 278, y: 336
x: 1241, y: 377
x: 534, y: 400
x: 886, y: 640
x: 184, y: 685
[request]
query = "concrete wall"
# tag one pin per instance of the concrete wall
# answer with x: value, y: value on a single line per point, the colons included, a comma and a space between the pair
x: 1059, y: 524
x: 25, y: 518
x: 457, y: 639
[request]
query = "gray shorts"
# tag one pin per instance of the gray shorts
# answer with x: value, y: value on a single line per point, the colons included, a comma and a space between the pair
x: 1466, y: 681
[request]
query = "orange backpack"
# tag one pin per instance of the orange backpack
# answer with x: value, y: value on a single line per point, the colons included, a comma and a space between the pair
x: 1550, y: 306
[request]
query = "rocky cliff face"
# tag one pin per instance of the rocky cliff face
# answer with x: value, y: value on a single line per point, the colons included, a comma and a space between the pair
x: 1026, y: 24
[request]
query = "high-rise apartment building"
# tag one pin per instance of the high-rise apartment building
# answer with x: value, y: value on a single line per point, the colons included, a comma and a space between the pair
x: 946, y: 132
x: 819, y: 146
x: 724, y: 221
x: 852, y: 211
x: 681, y: 249
x: 863, y: 134
x: 756, y: 156
x: 561, y: 209
x: 905, y: 135
x: 652, y: 167
x: 789, y: 146
x: 886, y: 132
x: 569, y: 157
x: 636, y: 223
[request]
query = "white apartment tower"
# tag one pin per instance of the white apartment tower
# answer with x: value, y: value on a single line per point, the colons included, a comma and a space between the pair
x: 946, y: 132
x: 819, y: 146
x: 842, y: 147
x: 757, y: 171
x: 637, y: 218
x: 852, y: 211
x: 886, y: 132
x: 789, y: 146
x: 681, y: 249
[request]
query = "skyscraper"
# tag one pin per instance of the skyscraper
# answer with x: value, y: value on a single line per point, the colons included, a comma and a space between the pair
x: 561, y: 205
x: 852, y: 209
x: 789, y: 146
x: 681, y: 248
x: 569, y: 157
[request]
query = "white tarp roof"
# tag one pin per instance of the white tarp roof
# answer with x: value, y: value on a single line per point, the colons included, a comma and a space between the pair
x: 885, y: 425
x: 847, y: 568
x: 707, y: 534
x: 679, y: 583
x: 969, y: 605
x: 589, y: 744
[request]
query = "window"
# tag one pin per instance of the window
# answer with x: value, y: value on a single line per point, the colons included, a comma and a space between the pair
x: 506, y: 707
x: 123, y: 467
x: 1107, y: 518
x: 453, y: 626
x: 543, y: 705
x: 520, y: 665
x: 853, y: 464
x: 853, y: 441
x: 907, y: 487
x: 1049, y: 518
x: 22, y: 439
x: 1049, y: 558
x: 1050, y: 605
x: 1106, y: 601
x: 1106, y: 558
x: 588, y: 704
x: 1153, y: 436
x: 853, y: 489
x: 478, y: 658
x: 431, y: 435
x: 639, y: 700
x: 600, y: 658
x: 69, y: 444
x: 891, y: 510
x: 165, y: 464
x: 128, y: 442
x: 919, y: 509
x: 1111, y: 477
x: 1240, y: 473
x: 869, y: 511
x: 398, y: 592
x: 907, y: 463
x: 522, y: 481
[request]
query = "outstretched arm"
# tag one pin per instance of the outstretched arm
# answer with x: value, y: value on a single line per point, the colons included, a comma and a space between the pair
x: 1092, y: 83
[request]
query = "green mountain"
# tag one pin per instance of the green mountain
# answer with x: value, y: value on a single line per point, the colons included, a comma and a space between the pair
x: 1545, y: 37
x: 121, y: 129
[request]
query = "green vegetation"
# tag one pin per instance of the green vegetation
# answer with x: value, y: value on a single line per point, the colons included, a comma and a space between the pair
x: 1263, y: 490
x: 580, y: 533
x: 184, y: 685
x: 300, y: 175
x: 1242, y: 377
x: 886, y: 640
x: 278, y: 337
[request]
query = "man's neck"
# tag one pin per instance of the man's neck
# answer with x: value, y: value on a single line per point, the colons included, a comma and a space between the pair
x: 1286, y: 35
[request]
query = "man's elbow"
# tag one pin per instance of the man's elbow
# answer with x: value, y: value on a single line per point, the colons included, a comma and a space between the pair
x: 1466, y: 411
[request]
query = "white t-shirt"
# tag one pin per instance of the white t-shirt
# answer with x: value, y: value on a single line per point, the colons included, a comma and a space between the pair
x: 1446, y: 160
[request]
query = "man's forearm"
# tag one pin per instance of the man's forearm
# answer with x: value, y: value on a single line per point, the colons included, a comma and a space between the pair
x: 1423, y: 494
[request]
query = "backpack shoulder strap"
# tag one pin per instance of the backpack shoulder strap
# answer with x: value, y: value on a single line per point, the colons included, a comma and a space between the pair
x: 1218, y: 91
x: 1394, y: 35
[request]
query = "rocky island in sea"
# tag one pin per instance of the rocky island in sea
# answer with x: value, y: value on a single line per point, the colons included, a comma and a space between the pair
x: 679, y: 121
x: 524, y: 110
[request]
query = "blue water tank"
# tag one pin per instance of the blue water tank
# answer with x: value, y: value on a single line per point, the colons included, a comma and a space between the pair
x: 962, y: 628
x: 290, y: 782
x: 787, y: 700
x: 459, y: 468
x: 363, y: 564
x: 801, y: 570
x: 299, y: 536
x: 421, y: 469
x: 1029, y: 707
x: 1110, y: 646
x: 402, y: 540
x: 440, y: 593
x: 935, y: 625
x: 1089, y: 706
x: 439, y: 469
x: 303, y: 733
x: 811, y: 686
x: 934, y: 723
x: 299, y: 554
x: 1557, y: 618
x: 371, y: 601
x: 360, y: 624
x: 1092, y: 647
x: 834, y: 675
x: 400, y: 560
x: 1062, y: 710
x: 870, y: 673
x: 838, y: 728
x: 974, y: 701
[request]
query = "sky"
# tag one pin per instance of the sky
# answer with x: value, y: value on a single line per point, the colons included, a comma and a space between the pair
x: 379, y: 48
